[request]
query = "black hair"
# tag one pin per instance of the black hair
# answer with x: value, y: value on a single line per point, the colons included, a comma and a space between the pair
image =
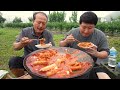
x: 88, y: 17
x: 35, y: 13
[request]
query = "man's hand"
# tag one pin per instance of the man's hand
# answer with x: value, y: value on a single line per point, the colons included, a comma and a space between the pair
x: 93, y: 51
x: 69, y: 39
x: 25, y: 41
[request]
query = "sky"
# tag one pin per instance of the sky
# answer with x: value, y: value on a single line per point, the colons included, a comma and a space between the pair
x: 10, y: 15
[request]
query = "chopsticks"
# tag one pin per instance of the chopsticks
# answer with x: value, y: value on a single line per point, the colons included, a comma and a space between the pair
x: 77, y: 40
x: 35, y: 39
x: 38, y: 39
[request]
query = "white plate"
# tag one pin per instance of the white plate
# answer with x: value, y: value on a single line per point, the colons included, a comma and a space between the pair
x: 43, y: 46
x: 92, y: 45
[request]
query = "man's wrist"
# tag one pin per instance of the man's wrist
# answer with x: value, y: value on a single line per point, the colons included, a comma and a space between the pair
x: 21, y: 44
x: 97, y: 54
x: 65, y: 41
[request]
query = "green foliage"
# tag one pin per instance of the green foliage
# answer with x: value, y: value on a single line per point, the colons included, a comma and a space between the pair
x: 73, y: 18
x: 17, y: 20
x: 30, y: 19
x: 102, y: 26
x: 56, y: 16
x: 18, y: 25
x: 62, y: 26
x: 112, y: 28
x: 2, y: 20
x: 109, y: 27
x: 69, y: 26
x: 1, y: 25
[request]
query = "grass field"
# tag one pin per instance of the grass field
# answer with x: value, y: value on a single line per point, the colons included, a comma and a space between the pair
x: 8, y: 36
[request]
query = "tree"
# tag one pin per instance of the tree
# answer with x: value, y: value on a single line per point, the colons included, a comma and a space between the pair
x: 30, y: 19
x: 17, y: 20
x: 118, y: 18
x: 0, y: 14
x: 2, y: 20
x: 49, y: 12
x: 73, y: 18
x: 56, y: 16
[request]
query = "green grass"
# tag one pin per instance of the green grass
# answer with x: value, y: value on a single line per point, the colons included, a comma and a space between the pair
x: 8, y: 36
x: 57, y: 38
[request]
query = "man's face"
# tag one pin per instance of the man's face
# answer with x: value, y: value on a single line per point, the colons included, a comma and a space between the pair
x: 39, y: 23
x: 86, y: 29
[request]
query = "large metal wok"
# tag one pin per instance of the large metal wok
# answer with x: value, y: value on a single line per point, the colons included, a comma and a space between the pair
x: 82, y: 56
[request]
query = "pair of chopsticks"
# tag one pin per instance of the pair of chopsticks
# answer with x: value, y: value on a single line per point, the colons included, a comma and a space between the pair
x: 77, y: 40
x: 38, y: 39
x: 35, y: 39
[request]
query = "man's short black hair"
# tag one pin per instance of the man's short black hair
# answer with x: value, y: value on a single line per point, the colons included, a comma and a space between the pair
x: 34, y: 15
x: 88, y: 17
